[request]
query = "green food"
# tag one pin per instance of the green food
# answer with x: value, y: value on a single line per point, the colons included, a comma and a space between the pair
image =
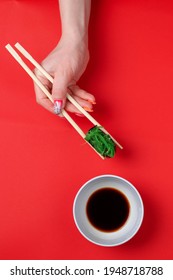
x: 101, y: 142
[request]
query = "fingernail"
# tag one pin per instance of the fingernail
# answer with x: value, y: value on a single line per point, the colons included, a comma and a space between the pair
x: 57, y: 106
x: 88, y: 109
x: 92, y: 102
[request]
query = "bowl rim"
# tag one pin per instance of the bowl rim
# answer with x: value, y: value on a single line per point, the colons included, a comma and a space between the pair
x: 132, y: 186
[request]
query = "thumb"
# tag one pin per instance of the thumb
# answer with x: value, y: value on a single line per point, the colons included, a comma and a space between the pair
x: 59, y: 90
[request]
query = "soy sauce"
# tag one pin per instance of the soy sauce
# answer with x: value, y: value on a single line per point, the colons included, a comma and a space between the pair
x: 107, y: 209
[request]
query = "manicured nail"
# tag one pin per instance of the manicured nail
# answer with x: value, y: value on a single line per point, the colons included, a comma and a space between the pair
x: 88, y: 109
x: 57, y: 106
x: 92, y: 102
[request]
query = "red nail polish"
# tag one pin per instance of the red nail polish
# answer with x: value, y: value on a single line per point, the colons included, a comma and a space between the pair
x: 57, y: 106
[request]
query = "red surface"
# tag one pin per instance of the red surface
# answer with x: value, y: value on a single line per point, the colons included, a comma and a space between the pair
x: 44, y: 162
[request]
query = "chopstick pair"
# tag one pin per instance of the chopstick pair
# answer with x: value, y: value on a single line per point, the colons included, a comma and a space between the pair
x: 48, y: 94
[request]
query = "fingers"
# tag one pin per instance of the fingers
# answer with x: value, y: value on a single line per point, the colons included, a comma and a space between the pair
x: 85, y: 99
x: 41, y: 98
x: 77, y: 91
x: 88, y: 106
x: 59, y: 91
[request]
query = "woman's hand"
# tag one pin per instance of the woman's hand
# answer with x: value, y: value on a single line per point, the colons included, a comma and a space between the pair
x: 66, y: 63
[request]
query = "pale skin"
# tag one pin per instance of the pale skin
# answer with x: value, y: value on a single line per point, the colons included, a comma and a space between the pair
x: 68, y: 60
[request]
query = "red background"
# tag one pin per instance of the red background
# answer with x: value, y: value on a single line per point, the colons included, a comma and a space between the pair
x: 44, y: 162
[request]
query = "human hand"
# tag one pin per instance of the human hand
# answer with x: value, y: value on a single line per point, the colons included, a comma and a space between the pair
x: 66, y: 63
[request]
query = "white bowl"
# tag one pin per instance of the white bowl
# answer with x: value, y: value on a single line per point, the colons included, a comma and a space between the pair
x: 132, y: 224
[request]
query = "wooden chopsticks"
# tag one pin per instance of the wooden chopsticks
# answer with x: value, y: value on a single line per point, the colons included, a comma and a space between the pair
x: 47, y: 93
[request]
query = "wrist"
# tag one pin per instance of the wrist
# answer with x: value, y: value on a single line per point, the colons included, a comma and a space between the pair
x: 75, y: 36
x: 75, y: 19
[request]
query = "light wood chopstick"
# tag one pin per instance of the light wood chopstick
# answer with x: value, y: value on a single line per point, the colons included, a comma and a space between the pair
x: 47, y: 93
x: 70, y: 98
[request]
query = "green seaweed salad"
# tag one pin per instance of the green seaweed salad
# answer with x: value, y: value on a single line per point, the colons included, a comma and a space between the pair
x: 101, y: 142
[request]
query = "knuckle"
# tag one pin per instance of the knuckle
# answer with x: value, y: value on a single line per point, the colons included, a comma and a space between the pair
x: 37, y: 73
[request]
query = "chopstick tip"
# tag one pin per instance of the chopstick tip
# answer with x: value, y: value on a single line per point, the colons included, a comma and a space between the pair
x: 17, y: 44
x: 7, y: 46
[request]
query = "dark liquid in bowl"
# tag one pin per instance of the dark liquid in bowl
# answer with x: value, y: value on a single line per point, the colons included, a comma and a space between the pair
x: 107, y: 209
